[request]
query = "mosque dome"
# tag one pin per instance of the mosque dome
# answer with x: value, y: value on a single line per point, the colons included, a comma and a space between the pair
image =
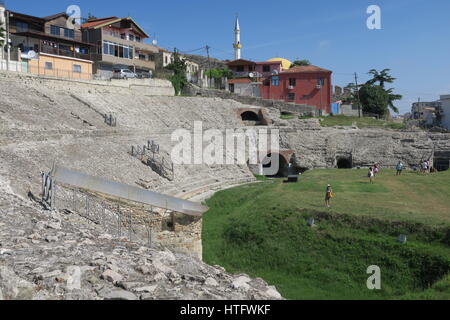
x: 285, y: 63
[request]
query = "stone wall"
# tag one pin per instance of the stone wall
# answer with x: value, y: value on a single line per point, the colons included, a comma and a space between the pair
x: 150, y: 87
x: 321, y: 147
x: 297, y: 109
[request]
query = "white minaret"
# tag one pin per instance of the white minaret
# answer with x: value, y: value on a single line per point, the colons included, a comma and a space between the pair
x: 237, y: 41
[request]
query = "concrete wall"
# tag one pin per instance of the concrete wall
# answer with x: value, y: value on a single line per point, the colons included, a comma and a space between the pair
x: 348, y: 110
x: 147, y: 87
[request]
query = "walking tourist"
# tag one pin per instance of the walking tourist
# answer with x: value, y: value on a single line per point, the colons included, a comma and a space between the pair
x: 328, y: 196
x: 400, y: 168
x: 371, y: 175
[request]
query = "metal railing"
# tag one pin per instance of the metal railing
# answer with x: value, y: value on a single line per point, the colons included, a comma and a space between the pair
x: 148, y: 155
x: 62, y: 52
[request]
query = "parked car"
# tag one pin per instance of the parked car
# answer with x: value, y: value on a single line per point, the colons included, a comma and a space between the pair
x: 124, y: 74
x: 145, y: 75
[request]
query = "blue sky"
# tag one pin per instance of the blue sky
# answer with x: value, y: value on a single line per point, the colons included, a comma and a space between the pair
x: 413, y: 41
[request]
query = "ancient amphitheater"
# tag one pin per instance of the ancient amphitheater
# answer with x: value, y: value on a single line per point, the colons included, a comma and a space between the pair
x: 79, y: 251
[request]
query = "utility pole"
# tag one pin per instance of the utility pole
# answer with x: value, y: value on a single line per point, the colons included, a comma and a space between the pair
x: 209, y: 63
x: 359, y: 97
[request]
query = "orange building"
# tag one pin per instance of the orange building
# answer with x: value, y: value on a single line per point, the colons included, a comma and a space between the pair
x: 50, y: 47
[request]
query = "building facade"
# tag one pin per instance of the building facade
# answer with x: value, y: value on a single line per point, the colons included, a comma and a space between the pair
x: 120, y: 44
x: 49, y: 46
x: 444, y: 110
x: 245, y: 68
x: 308, y: 85
x: 165, y: 58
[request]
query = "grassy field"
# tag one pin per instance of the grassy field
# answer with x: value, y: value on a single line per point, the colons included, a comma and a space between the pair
x: 261, y: 230
x: 332, y: 121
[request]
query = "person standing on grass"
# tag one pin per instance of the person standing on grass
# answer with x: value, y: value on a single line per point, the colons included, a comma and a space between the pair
x: 371, y: 175
x: 399, y: 168
x: 376, y: 169
x: 328, y: 196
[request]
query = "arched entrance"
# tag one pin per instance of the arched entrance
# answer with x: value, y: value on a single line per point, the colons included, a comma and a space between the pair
x: 344, y: 163
x: 270, y: 167
x: 250, y: 116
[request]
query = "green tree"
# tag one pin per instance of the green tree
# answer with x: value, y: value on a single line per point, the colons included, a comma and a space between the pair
x: 374, y: 99
x: 393, y: 97
x: 2, y: 36
x: 219, y: 73
x: 299, y: 63
x: 381, y: 77
x: 178, y: 79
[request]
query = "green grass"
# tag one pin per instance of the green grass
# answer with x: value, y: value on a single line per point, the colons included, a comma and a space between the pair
x: 332, y: 121
x: 261, y: 230
x: 287, y: 116
x: 360, y: 122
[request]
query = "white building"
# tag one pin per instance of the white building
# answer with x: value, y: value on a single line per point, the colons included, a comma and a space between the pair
x: 166, y: 57
x: 445, y: 111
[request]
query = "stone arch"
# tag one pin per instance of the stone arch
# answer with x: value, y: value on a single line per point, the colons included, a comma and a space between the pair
x: 254, y: 116
x: 250, y: 116
x: 284, y: 159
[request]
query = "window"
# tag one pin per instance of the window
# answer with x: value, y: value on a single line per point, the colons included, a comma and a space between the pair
x: 48, y: 66
x: 240, y: 68
x: 123, y: 36
x: 131, y: 37
x: 69, y: 33
x: 55, y: 30
x: 321, y: 82
x: 77, y: 68
x: 275, y: 81
x: 291, y: 96
x: 126, y: 52
x: 138, y: 39
x: 21, y: 26
x: 292, y: 82
x: 266, y: 68
x: 105, y: 47
x: 142, y: 57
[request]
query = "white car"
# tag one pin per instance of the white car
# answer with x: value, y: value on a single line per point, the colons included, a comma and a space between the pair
x: 123, y: 74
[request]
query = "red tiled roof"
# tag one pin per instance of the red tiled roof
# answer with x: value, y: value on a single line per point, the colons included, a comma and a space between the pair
x: 240, y: 62
x: 96, y: 22
x: 304, y: 69
x: 243, y: 80
x: 270, y: 62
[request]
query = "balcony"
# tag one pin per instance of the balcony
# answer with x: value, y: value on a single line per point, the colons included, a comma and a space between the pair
x: 245, y: 74
x: 62, y: 52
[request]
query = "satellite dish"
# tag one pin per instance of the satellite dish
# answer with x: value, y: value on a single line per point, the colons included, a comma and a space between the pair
x: 30, y: 55
x: 155, y: 42
x: 251, y: 74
